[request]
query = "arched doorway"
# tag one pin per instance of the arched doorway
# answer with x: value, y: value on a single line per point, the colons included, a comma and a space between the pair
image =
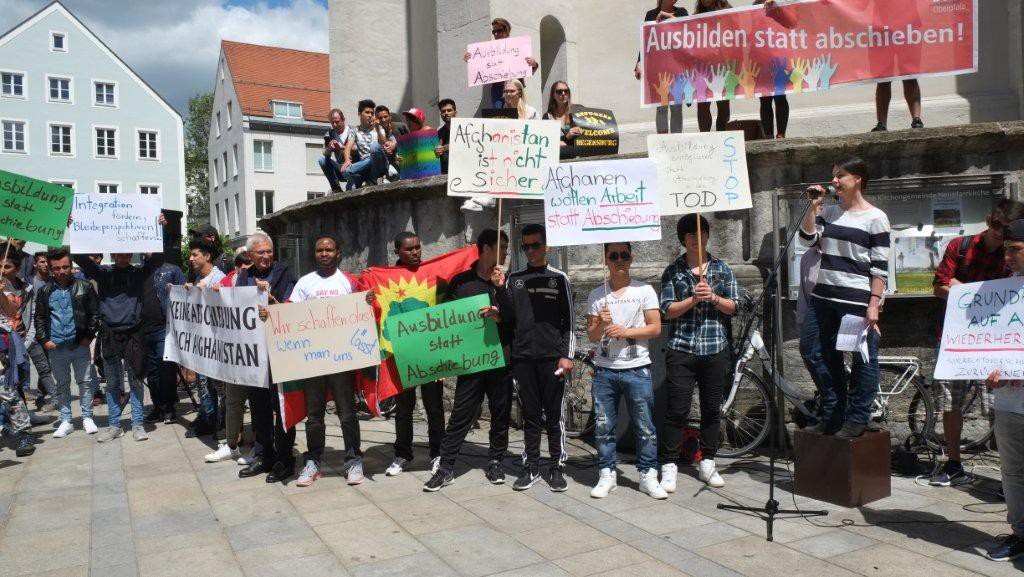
x: 553, y: 57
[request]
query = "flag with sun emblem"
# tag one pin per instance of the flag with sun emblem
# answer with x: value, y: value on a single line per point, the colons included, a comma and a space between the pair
x: 400, y: 290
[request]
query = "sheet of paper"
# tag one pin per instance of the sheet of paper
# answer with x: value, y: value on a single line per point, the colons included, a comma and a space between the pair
x: 853, y: 335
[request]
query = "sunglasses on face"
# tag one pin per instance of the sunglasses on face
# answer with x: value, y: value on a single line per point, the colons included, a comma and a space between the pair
x: 617, y: 256
x: 531, y: 246
x: 562, y: 91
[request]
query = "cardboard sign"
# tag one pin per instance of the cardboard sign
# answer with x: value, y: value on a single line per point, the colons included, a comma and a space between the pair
x: 418, y: 157
x: 499, y: 60
x: 111, y: 223
x: 600, y: 132
x: 602, y: 201
x: 446, y: 340
x: 702, y: 172
x: 501, y: 158
x: 321, y: 337
x: 218, y: 334
x: 34, y: 210
x: 983, y: 331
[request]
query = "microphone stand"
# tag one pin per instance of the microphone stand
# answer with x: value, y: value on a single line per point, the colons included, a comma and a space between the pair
x: 776, y: 412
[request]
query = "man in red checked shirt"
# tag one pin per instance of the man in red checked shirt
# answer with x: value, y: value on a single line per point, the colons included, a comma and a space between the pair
x: 972, y: 258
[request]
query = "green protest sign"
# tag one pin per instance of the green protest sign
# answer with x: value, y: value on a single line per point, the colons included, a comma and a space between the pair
x: 445, y: 340
x: 33, y: 210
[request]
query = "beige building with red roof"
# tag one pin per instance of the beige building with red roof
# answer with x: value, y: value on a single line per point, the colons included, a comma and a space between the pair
x: 266, y: 134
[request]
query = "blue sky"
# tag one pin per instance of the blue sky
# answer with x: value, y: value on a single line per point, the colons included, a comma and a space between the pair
x: 173, y: 44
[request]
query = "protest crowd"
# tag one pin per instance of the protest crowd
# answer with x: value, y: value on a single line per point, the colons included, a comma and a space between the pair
x: 119, y: 326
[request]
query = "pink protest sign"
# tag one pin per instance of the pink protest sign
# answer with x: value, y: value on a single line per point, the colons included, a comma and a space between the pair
x: 499, y: 60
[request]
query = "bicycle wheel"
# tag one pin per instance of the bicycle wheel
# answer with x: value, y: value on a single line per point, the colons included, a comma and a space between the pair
x: 579, y: 402
x: 905, y: 410
x: 977, y: 419
x: 747, y: 421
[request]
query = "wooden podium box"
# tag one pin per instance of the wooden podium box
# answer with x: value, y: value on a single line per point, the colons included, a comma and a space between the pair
x: 845, y: 472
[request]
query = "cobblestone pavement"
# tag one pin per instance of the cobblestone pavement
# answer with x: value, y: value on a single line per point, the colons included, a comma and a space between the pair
x: 155, y: 508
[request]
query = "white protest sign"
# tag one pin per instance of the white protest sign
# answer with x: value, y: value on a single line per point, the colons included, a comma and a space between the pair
x: 218, y: 334
x: 321, y: 337
x: 983, y: 331
x: 111, y: 223
x: 501, y: 157
x: 703, y: 172
x: 602, y: 201
x: 499, y: 60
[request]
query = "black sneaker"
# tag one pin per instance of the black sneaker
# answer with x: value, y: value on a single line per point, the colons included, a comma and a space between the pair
x: 201, y: 429
x: 494, y: 473
x: 879, y: 128
x: 556, y: 479
x: 527, y: 478
x: 26, y: 445
x: 917, y: 122
x: 155, y: 416
x: 170, y: 417
x: 40, y: 401
x: 280, y: 473
x: 951, y: 474
x: 440, y: 479
x: 1011, y: 548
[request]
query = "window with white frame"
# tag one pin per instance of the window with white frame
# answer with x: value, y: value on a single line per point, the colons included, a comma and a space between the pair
x: 60, y: 89
x: 263, y: 155
x: 148, y: 145
x: 216, y: 172
x: 238, y: 215
x: 218, y: 124
x: 149, y: 189
x: 264, y: 202
x: 105, y: 94
x: 220, y: 222
x: 107, y: 188
x: 14, y: 136
x: 229, y: 114
x: 60, y: 139
x: 224, y: 161
x: 311, y: 195
x: 58, y: 41
x: 65, y: 183
x: 106, y: 142
x: 13, y: 84
x: 286, y: 109
x: 234, y: 160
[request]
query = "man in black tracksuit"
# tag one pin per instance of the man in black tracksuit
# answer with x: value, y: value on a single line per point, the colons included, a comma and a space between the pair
x: 482, y: 277
x: 538, y: 309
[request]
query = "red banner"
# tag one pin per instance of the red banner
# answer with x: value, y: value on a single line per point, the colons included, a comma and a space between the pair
x: 804, y: 46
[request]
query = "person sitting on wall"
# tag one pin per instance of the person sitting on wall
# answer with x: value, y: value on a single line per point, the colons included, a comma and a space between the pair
x: 391, y: 131
x: 334, y: 147
x: 367, y: 149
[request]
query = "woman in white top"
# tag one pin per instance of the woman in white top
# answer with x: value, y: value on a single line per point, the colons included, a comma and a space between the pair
x: 516, y: 98
x: 853, y: 237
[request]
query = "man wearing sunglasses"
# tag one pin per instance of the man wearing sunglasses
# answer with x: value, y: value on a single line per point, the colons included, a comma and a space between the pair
x: 622, y: 315
x: 537, y: 305
x: 500, y: 29
x: 967, y: 259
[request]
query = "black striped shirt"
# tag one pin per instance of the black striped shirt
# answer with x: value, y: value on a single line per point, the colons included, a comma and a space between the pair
x: 854, y: 248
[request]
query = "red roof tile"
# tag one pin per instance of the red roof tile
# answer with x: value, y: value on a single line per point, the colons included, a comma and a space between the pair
x: 265, y: 73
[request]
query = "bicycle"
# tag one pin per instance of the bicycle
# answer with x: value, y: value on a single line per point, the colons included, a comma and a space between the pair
x: 903, y: 404
x: 578, y: 404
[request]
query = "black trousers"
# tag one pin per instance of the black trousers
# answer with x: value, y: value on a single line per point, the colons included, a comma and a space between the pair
x: 342, y: 387
x: 433, y: 404
x: 684, y: 372
x: 769, y: 117
x: 469, y: 396
x: 267, y: 427
x: 541, y: 393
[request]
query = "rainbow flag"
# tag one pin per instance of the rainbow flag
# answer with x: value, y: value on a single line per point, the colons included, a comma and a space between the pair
x: 417, y: 152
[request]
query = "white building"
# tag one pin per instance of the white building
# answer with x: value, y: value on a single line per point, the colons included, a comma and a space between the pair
x: 72, y: 112
x: 269, y: 117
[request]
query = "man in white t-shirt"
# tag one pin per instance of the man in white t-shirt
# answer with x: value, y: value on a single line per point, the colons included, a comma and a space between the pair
x: 327, y: 282
x: 622, y: 315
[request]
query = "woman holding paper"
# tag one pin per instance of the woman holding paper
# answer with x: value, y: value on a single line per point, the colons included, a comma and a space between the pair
x: 853, y: 237
x: 515, y: 98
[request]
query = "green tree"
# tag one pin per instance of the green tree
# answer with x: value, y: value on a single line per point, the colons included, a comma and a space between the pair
x: 197, y: 173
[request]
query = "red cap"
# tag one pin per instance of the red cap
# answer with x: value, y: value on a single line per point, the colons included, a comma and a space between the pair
x: 416, y: 114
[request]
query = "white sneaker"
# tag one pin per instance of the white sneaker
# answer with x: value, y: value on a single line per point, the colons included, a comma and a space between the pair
x: 669, y: 472
x: 63, y: 430
x: 435, y: 464
x: 605, y: 484
x: 310, y: 473
x: 89, y: 426
x: 470, y: 206
x: 354, y: 475
x: 396, y: 467
x: 248, y: 458
x: 223, y: 453
x: 649, y: 484
x: 139, y: 434
x: 706, y: 472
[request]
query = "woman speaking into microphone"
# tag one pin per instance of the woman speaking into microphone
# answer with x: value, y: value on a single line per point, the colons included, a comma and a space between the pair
x: 853, y: 237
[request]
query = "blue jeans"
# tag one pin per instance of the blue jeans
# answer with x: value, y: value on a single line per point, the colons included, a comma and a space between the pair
x: 63, y: 359
x: 115, y: 372
x: 332, y: 170
x: 635, y: 385
x: 838, y: 401
x: 211, y: 399
x: 372, y: 167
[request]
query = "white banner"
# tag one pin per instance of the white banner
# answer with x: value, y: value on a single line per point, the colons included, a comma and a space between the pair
x: 218, y: 334
x: 983, y: 331
x: 111, y: 223
x: 602, y: 201
x: 501, y: 157
x: 702, y: 172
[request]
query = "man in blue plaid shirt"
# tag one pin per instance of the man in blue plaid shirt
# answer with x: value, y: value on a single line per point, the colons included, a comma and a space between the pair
x: 698, y: 347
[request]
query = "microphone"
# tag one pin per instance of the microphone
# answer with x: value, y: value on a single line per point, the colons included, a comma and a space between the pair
x: 830, y: 190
